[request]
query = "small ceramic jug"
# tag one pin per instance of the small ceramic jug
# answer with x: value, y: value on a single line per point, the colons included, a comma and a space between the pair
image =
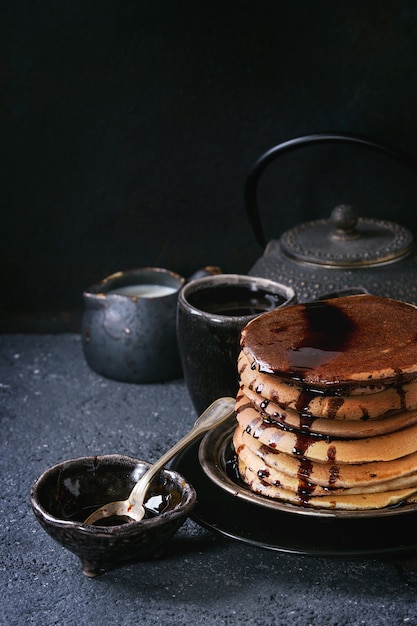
x: 128, y: 328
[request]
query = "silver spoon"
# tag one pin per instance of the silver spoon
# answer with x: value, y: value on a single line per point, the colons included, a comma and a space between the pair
x: 132, y: 507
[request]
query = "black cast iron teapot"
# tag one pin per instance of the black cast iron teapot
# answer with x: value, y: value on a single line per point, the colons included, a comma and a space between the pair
x: 344, y: 253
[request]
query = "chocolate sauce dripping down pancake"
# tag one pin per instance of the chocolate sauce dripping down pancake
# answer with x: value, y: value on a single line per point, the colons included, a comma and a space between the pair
x: 326, y: 426
x: 276, y: 477
x: 312, y: 403
x: 327, y: 474
x: 321, y: 448
x: 327, y: 405
x: 352, y: 502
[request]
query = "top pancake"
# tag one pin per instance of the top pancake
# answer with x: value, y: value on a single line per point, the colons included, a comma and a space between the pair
x: 342, y: 342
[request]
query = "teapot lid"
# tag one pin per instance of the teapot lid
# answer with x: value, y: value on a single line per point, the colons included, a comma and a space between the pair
x: 346, y: 240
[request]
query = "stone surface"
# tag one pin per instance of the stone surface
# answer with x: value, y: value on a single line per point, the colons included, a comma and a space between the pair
x: 52, y: 407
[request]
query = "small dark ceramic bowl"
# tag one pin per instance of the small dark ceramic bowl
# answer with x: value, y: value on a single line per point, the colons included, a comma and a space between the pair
x: 64, y: 496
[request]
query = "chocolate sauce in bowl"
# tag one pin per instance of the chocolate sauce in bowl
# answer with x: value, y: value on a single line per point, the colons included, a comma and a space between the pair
x: 114, y: 520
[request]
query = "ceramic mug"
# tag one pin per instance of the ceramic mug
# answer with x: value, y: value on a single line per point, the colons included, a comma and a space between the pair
x: 211, y: 314
x: 129, y: 326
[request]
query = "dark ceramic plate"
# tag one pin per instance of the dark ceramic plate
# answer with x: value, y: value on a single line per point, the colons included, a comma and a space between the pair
x: 275, y: 528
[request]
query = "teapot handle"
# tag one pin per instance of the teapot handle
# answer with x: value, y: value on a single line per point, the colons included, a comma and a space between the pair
x: 252, y: 180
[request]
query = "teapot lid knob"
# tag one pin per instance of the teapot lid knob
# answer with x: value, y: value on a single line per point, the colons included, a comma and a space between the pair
x: 344, y: 218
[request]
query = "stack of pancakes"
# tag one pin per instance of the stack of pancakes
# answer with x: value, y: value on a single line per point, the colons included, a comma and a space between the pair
x: 327, y: 406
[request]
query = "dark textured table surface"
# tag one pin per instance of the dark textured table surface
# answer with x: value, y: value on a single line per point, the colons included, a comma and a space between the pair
x: 53, y: 408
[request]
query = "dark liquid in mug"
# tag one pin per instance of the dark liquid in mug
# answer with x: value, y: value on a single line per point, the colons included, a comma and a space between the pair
x: 235, y: 300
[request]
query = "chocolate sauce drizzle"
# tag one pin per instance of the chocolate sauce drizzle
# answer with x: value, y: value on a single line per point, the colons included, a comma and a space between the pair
x: 304, y: 438
x: 328, y: 332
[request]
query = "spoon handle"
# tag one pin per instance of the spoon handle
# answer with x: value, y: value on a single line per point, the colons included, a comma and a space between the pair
x: 215, y: 414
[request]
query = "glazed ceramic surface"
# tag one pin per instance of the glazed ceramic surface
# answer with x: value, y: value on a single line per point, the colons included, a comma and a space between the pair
x: 345, y: 251
x: 129, y: 329
x: 225, y: 513
x: 211, y: 313
x: 64, y: 495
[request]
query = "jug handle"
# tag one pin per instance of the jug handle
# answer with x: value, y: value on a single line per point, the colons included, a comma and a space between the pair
x: 252, y: 180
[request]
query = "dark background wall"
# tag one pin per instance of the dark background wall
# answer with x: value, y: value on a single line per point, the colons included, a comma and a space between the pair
x: 130, y: 126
